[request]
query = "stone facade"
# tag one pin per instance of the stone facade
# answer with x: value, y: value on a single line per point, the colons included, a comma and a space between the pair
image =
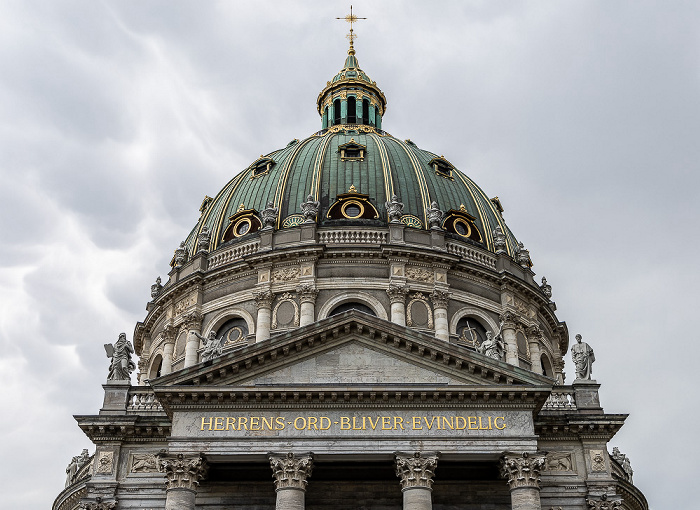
x: 349, y: 370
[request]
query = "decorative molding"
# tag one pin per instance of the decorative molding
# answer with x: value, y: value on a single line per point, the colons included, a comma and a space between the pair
x: 287, y: 297
x: 98, y: 504
x: 419, y: 274
x: 285, y: 274
x: 290, y: 471
x: 603, y: 503
x: 415, y: 470
x: 522, y: 470
x: 105, y: 463
x: 143, y: 463
x: 419, y: 297
x: 559, y: 462
x: 597, y: 461
x: 183, y: 472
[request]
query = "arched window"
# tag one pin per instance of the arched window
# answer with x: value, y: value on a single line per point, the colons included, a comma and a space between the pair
x: 352, y: 110
x: 547, y: 367
x: 234, y: 331
x: 365, y: 112
x: 352, y: 306
x: 336, y: 112
x: 471, y: 331
x: 156, y: 367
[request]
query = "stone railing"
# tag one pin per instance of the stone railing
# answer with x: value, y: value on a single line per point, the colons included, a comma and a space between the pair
x: 561, y: 399
x: 142, y: 399
x: 347, y: 236
x: 472, y: 255
x: 223, y: 257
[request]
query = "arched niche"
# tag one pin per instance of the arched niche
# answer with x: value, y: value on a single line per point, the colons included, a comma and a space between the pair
x: 352, y: 305
x: 225, y: 315
x: 547, y: 368
x: 353, y: 296
x: 154, y: 370
x: 488, y: 323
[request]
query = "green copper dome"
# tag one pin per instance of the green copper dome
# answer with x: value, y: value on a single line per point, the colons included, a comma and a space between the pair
x: 352, y: 169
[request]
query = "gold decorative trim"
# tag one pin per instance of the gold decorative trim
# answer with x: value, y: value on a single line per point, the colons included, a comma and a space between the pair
x: 352, y: 202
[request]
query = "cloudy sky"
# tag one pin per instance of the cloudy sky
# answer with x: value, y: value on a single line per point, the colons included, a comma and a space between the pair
x: 116, y: 118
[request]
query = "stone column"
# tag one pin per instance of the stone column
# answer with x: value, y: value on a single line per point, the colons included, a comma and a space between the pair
x: 533, y: 339
x: 290, y: 473
x: 397, y: 296
x: 193, y: 323
x: 522, y: 470
x: 263, y: 299
x: 169, y: 334
x: 442, y: 328
x: 183, y: 474
x: 416, y: 473
x: 307, y: 297
x: 509, y: 321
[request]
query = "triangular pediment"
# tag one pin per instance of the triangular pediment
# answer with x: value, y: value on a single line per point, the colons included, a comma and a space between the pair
x: 351, y: 349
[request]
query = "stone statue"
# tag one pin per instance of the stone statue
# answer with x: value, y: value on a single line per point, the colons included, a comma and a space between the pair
x: 310, y: 209
x: 181, y: 255
x: 269, y: 215
x: 622, y: 459
x: 213, y: 347
x: 491, y: 347
x: 76, y: 464
x: 499, y: 240
x: 156, y: 288
x: 546, y: 288
x: 435, y: 216
x: 394, y: 209
x: 121, y: 367
x: 583, y: 358
x: 203, y: 240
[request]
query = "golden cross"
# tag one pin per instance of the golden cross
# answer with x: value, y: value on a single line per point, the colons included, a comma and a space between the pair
x: 351, y: 18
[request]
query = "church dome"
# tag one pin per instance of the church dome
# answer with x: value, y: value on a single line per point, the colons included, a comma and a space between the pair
x: 352, y: 161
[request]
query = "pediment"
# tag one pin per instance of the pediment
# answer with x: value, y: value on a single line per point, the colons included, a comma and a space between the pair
x: 351, y: 349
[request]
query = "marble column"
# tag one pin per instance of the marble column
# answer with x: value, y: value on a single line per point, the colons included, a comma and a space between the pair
x: 307, y: 297
x: 290, y: 473
x: 397, y: 296
x: 534, y: 333
x: 183, y: 474
x: 522, y: 470
x: 263, y: 300
x: 442, y: 328
x: 193, y: 323
x: 509, y: 321
x: 416, y: 472
x: 169, y: 335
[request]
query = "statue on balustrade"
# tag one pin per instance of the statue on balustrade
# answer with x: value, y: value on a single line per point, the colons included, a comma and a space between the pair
x: 491, y: 347
x: 121, y: 366
x: 583, y: 358
x: 76, y: 464
x: 213, y: 347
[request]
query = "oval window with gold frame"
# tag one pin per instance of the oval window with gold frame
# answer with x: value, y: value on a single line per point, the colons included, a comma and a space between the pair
x: 242, y: 227
x: 462, y: 227
x: 353, y: 209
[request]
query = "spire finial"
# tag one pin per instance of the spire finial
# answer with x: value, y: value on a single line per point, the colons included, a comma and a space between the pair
x: 351, y: 18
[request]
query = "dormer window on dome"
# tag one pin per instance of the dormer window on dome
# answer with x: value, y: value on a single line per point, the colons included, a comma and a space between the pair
x: 352, y: 151
x: 442, y: 167
x: 460, y: 222
x: 244, y: 222
x: 352, y: 206
x: 261, y: 166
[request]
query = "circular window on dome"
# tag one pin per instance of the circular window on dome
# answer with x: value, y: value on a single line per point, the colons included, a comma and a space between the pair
x: 462, y: 227
x: 352, y: 209
x: 242, y: 227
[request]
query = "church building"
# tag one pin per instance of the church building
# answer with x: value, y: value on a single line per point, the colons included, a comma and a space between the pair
x: 351, y: 325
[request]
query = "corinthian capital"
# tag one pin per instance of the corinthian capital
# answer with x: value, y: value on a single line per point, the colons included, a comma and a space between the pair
x: 603, y: 503
x: 98, y: 505
x: 264, y: 298
x: 416, y: 470
x: 193, y: 320
x: 307, y: 293
x: 183, y: 472
x: 533, y: 332
x: 509, y: 319
x: 440, y: 298
x: 522, y: 470
x: 290, y: 471
x: 169, y: 334
x: 397, y: 294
